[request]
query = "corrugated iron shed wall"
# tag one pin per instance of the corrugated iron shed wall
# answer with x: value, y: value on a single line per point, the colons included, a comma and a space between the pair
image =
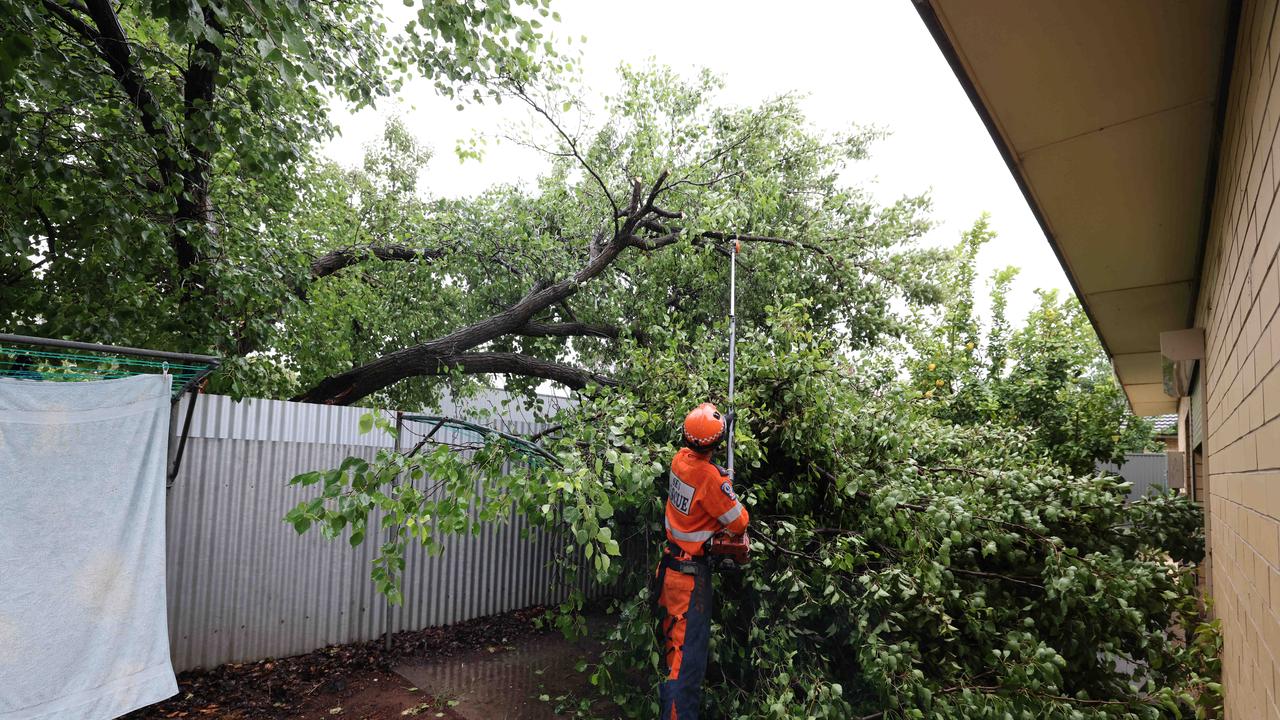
x: 1145, y: 470
x: 242, y: 585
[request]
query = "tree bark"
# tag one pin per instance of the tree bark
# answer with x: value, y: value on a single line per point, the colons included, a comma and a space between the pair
x: 195, y: 211
x: 415, y: 362
x: 569, y: 329
x: 332, y: 262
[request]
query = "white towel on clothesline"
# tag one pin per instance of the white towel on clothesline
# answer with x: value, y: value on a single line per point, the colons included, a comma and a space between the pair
x: 83, y: 626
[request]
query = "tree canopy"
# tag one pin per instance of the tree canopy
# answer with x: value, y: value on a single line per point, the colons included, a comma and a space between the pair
x: 154, y: 154
x: 623, y: 240
x: 1049, y: 376
x: 166, y: 192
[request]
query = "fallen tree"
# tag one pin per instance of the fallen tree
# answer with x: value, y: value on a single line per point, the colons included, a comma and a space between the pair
x: 904, y: 566
x: 910, y: 561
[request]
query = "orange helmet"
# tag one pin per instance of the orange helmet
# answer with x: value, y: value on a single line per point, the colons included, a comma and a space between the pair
x: 704, y: 427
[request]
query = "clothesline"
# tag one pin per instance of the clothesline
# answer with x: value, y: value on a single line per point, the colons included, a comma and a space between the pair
x: 54, y: 359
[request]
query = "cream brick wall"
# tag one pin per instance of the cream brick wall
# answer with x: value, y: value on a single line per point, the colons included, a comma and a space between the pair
x: 1239, y: 294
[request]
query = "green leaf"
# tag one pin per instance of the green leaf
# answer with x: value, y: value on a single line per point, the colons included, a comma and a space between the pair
x: 307, y: 478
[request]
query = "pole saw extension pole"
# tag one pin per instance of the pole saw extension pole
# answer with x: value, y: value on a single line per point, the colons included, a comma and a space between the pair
x: 731, y: 552
x: 733, y: 336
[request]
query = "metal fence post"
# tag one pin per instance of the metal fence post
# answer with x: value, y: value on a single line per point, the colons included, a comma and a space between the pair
x: 391, y: 530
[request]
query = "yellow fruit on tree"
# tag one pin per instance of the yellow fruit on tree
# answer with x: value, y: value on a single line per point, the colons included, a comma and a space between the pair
x: 938, y: 382
x: 933, y: 366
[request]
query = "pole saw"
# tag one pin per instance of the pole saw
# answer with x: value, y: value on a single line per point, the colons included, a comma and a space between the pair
x: 730, y: 552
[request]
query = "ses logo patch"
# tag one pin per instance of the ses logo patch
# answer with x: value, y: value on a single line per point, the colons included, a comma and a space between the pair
x: 680, y: 494
x: 727, y: 489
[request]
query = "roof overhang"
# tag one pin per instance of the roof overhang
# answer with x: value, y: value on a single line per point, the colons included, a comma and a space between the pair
x: 1109, y: 114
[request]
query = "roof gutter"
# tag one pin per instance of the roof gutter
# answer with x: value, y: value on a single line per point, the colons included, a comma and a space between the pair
x: 1225, y: 70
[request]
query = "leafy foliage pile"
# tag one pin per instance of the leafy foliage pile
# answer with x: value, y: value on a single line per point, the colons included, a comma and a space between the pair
x: 915, y: 567
x: 905, y: 566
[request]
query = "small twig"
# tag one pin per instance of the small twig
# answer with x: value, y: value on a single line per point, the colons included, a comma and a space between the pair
x: 535, y: 437
x: 573, y: 145
x: 774, y: 544
x: 996, y: 576
x: 950, y: 468
x: 418, y: 447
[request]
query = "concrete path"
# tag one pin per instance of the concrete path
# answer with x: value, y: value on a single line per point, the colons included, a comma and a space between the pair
x: 529, y: 681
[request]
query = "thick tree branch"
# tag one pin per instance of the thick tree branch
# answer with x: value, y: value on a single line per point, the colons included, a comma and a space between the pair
x: 332, y: 262
x: 70, y: 19
x: 418, y: 364
x: 658, y: 186
x: 517, y: 319
x: 654, y: 226
x: 422, y: 359
x: 199, y: 81
x: 114, y: 46
x: 636, y: 188
x: 361, y: 381
x: 517, y: 364
x: 655, y: 243
x: 199, y: 139
x: 568, y: 329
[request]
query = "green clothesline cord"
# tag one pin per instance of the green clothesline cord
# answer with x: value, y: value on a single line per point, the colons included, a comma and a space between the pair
x: 114, y: 360
x: 56, y: 366
x: 60, y: 375
x: 532, y: 453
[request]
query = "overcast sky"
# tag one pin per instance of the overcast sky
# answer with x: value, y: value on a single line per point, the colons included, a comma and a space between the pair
x: 869, y: 62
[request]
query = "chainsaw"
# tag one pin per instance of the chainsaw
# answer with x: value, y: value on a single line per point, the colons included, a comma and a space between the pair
x: 729, y: 552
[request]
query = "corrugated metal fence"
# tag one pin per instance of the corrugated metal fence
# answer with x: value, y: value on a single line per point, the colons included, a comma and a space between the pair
x: 242, y: 585
x: 1145, y: 470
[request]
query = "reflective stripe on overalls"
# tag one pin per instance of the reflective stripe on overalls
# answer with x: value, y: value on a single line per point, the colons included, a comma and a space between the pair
x: 684, y: 600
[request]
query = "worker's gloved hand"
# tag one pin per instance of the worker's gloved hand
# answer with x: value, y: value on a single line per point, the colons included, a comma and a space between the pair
x: 729, y: 419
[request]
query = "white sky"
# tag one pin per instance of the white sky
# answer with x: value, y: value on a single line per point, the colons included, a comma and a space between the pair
x: 869, y: 62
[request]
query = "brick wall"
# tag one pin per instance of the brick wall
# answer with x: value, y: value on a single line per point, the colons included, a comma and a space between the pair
x: 1240, y: 291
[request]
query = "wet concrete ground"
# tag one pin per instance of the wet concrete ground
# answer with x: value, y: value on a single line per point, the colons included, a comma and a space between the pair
x: 533, y: 680
x: 352, y: 681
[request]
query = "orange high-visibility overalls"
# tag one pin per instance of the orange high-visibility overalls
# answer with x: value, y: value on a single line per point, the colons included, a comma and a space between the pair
x: 700, y: 503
